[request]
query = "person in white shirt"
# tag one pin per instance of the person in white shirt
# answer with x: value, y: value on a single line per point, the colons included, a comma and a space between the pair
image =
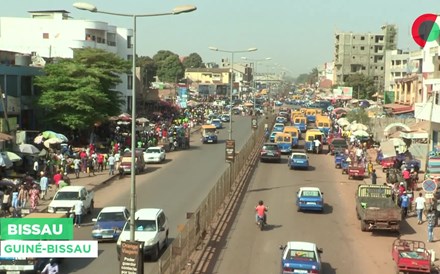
x: 51, y: 268
x: 78, y: 209
x: 420, y: 206
x: 316, y: 144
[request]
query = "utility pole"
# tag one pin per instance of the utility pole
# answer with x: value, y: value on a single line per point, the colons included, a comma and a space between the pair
x: 5, y: 112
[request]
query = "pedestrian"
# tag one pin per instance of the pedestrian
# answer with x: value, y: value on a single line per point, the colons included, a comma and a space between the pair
x: 404, y: 204
x: 51, y: 268
x: 57, y: 177
x: 430, y: 217
x: 44, y: 183
x: 100, y: 160
x: 79, y: 210
x: 6, y: 202
x: 23, y: 196
x: 34, y: 195
x: 420, y: 206
x: 370, y: 167
x: 77, y: 166
x: 111, y: 163
x: 373, y: 177
x: 90, y: 166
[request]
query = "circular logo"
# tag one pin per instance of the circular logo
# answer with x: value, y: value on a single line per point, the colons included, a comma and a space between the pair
x: 425, y: 29
x: 429, y: 186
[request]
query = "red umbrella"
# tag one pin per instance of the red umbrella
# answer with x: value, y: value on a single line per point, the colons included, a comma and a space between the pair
x: 124, y: 117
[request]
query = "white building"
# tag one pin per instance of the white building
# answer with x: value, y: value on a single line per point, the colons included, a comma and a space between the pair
x: 396, y: 67
x: 53, y: 33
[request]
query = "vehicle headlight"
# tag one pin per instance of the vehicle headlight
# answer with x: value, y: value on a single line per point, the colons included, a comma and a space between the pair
x: 150, y: 242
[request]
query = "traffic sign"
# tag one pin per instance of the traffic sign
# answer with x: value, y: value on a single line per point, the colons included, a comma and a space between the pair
x: 429, y: 185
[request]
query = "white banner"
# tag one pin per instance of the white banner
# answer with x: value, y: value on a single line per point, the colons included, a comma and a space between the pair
x: 49, y: 249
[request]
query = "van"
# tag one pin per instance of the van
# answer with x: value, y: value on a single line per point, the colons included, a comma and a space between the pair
x: 126, y: 162
x: 151, y: 227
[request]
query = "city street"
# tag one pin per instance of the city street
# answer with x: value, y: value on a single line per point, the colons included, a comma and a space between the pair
x: 337, y: 230
x: 178, y: 186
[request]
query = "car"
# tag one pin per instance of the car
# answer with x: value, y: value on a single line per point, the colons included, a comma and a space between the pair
x: 298, y: 160
x: 139, y: 162
x: 300, y: 257
x: 151, y: 227
x: 278, y: 127
x: 281, y: 120
x: 310, y: 198
x: 272, y: 136
x: 278, y: 103
x: 154, y: 155
x: 225, y: 118
x: 217, y: 123
x: 109, y: 223
x: 337, y: 145
x: 270, y: 152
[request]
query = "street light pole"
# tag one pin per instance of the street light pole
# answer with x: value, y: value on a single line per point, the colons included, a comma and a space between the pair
x: 175, y: 11
x: 231, y: 83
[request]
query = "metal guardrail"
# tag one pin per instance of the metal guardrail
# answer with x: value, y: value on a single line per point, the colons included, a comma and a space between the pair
x: 177, y: 256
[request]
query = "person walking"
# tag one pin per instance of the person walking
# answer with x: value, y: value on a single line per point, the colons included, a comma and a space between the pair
x: 370, y: 167
x: 373, y: 177
x: 44, y: 184
x: 23, y: 196
x: 34, y: 195
x: 420, y: 206
x: 404, y: 204
x: 77, y: 166
x: 111, y: 163
x: 430, y: 217
x: 51, y: 268
x: 78, y: 209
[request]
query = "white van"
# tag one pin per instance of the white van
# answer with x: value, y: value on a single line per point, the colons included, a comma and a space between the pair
x: 151, y: 227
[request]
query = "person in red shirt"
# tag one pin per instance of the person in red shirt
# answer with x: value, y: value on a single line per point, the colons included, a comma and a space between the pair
x: 57, y: 177
x: 261, y: 210
x: 100, y: 162
x: 406, y: 174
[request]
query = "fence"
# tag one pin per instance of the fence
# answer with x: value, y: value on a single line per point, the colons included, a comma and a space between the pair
x: 176, y: 257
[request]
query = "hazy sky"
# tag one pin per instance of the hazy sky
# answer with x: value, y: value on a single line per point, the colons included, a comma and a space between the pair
x: 297, y: 35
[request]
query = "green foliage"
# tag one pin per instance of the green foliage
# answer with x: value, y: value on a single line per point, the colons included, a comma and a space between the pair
x: 363, y: 86
x: 148, y: 67
x: 77, y: 92
x: 308, y: 78
x: 359, y: 115
x: 193, y: 61
x: 169, y: 67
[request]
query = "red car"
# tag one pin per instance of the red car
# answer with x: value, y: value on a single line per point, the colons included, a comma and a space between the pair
x: 387, y: 163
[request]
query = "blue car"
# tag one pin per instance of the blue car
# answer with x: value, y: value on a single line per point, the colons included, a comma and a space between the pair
x: 281, y: 120
x: 109, y: 223
x: 272, y: 136
x: 310, y: 198
x: 300, y: 257
x: 278, y: 127
x: 298, y: 161
x: 217, y: 123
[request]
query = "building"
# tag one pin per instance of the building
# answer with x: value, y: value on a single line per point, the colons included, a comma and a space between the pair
x: 325, y: 75
x: 396, y: 67
x: 53, y: 33
x: 363, y: 53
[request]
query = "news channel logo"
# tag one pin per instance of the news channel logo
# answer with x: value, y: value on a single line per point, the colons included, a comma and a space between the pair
x: 425, y: 29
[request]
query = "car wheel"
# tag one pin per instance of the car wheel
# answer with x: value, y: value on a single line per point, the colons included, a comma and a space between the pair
x: 155, y: 254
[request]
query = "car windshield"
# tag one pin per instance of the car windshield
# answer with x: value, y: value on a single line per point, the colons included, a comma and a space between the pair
x: 142, y: 225
x: 339, y: 143
x: 299, y: 156
x: 111, y: 216
x: 66, y: 195
x: 269, y: 147
x: 152, y: 150
x: 310, y: 193
x: 302, y: 255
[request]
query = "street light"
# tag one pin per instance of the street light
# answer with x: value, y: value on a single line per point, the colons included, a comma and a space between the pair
x: 255, y: 65
x: 175, y: 11
x: 231, y: 83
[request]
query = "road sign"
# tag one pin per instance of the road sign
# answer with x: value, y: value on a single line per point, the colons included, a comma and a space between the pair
x: 230, y: 150
x: 49, y: 249
x: 132, y: 257
x: 429, y: 185
x: 36, y: 228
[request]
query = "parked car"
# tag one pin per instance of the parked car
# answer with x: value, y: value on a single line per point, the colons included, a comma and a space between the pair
x: 109, y: 223
x: 310, y: 198
x: 151, y: 227
x: 300, y: 257
x: 68, y: 196
x: 154, y: 155
x: 270, y: 152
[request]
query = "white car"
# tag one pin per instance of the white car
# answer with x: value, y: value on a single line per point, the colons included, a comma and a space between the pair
x: 300, y: 257
x: 154, y: 155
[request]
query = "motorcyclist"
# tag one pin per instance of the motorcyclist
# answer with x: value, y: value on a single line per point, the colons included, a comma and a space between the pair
x: 261, y: 210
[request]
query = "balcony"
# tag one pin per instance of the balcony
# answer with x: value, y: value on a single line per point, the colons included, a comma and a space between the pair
x: 423, y: 111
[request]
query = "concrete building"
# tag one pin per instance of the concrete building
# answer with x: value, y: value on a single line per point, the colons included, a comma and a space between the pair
x: 396, y: 66
x: 53, y: 33
x: 363, y: 53
x: 325, y: 75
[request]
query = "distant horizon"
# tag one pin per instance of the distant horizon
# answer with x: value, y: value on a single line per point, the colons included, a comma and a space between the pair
x: 297, y: 36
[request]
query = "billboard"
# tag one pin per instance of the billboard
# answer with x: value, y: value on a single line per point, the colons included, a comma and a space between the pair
x: 344, y: 93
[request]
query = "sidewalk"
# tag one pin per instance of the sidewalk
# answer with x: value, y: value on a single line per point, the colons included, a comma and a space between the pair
x: 92, y: 183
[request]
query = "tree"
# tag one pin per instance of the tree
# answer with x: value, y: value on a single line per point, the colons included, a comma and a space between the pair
x: 302, y: 78
x: 359, y: 115
x: 363, y: 86
x: 193, y: 61
x: 148, y: 67
x: 169, y: 67
x: 77, y: 92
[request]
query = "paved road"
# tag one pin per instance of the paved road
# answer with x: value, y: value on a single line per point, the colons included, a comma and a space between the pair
x: 337, y: 231
x: 178, y: 186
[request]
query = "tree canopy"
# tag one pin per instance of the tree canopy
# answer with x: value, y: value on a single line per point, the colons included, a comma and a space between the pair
x: 77, y: 92
x: 169, y: 67
x: 363, y: 86
x: 308, y: 78
x: 193, y: 61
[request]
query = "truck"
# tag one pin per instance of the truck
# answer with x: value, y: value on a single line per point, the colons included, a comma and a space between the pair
x: 66, y: 197
x: 375, y: 208
x: 23, y: 265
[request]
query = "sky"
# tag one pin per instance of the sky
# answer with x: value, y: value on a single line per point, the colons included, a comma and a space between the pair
x: 296, y: 35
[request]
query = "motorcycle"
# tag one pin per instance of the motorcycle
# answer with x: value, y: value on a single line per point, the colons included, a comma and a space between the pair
x: 261, y: 223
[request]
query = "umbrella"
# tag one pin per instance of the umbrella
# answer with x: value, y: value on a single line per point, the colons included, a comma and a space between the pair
x: 28, y: 149
x: 52, y: 141
x: 13, y: 157
x: 142, y: 120
x: 343, y: 122
x: 48, y: 134
x: 248, y: 104
x: 62, y: 137
x: 39, y: 139
x: 356, y: 126
x: 340, y: 110
x: 124, y: 117
x: 361, y: 133
x: 4, y: 160
x: 42, y: 153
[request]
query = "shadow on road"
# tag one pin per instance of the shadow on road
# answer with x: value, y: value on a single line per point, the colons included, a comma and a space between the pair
x: 406, y: 229
x: 270, y: 227
x: 328, y: 209
x: 77, y: 264
x: 328, y: 269
x: 269, y: 188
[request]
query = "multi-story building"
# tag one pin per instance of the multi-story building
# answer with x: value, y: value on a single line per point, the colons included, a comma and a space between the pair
x: 363, y: 53
x: 53, y: 33
x: 325, y: 75
x: 396, y: 67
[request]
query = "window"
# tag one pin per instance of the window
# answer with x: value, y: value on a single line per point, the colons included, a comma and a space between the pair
x: 26, y: 86
x: 129, y: 42
x: 437, y: 98
x: 362, y: 37
x: 129, y: 81
x: 354, y: 47
x: 45, y: 35
x: 362, y: 48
